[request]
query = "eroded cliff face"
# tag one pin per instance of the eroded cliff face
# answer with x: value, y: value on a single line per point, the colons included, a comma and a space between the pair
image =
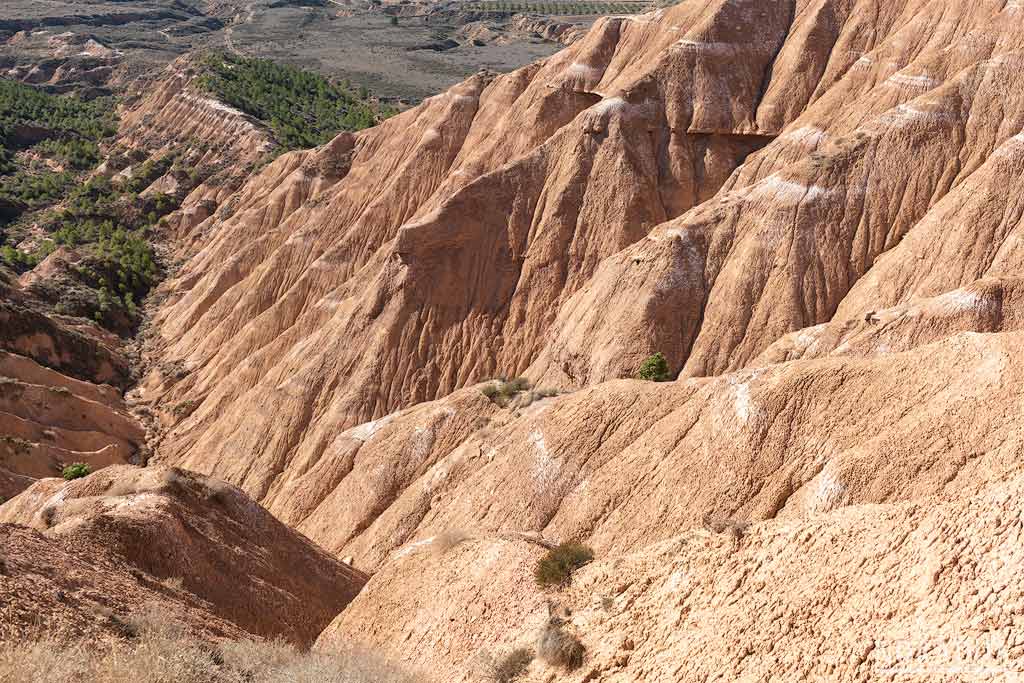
x: 171, y: 112
x: 703, y: 181
x: 812, y: 208
x: 61, y: 383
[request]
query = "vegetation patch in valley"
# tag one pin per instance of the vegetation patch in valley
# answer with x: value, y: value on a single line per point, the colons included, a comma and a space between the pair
x: 66, y: 186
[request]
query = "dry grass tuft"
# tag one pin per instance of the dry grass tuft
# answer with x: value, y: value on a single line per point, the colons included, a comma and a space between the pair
x: 162, y: 652
x: 725, y: 525
x: 174, y: 582
x: 558, y: 647
x: 516, y: 393
x: 510, y: 667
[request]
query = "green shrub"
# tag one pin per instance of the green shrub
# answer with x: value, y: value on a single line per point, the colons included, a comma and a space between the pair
x: 654, y: 369
x: 558, y: 564
x: 76, y: 471
x: 185, y: 408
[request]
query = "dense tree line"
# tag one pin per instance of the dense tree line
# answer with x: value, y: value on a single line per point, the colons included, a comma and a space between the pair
x: 303, y: 108
x: 63, y: 115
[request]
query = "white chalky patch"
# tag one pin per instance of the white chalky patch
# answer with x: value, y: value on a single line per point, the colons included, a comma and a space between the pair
x: 609, y: 105
x: 214, y: 104
x: 989, y: 371
x: 413, y: 546
x: 788, y: 191
x: 959, y: 301
x: 920, y: 82
x: 429, y: 135
x: 705, y: 47
x: 677, y: 581
x: 905, y: 113
x: 133, y: 500
x: 545, y: 467
x: 807, y: 338
x: 580, y: 69
x: 365, y: 431
x: 828, y: 493
x: 420, y: 442
x: 436, y: 477
x: 685, y: 275
x: 742, y: 402
x: 537, y: 441
x: 300, y: 238
x: 1012, y: 147
x: 55, y: 499
x: 806, y: 136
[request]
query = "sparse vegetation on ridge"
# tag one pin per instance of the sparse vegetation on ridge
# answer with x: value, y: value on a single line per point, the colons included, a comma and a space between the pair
x: 63, y: 129
x: 303, y: 108
x: 76, y: 471
x: 515, y: 393
x: 62, y: 115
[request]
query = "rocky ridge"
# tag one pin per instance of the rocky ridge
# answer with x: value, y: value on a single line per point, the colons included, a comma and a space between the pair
x: 204, y: 540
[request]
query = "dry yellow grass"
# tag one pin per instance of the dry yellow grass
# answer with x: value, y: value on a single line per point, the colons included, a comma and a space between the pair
x: 157, y: 650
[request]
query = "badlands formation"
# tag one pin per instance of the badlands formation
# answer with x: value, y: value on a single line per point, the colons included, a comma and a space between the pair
x: 811, y: 207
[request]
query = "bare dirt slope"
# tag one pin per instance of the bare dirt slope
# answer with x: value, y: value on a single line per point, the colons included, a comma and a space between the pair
x: 51, y: 592
x: 165, y: 524
x: 908, y: 592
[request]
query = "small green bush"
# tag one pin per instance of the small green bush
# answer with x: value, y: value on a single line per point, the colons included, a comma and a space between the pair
x: 501, y: 391
x: 559, y: 563
x: 654, y: 369
x: 185, y: 408
x: 76, y: 471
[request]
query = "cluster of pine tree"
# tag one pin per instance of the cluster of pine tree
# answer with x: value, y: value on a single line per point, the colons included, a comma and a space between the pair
x: 303, y: 108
